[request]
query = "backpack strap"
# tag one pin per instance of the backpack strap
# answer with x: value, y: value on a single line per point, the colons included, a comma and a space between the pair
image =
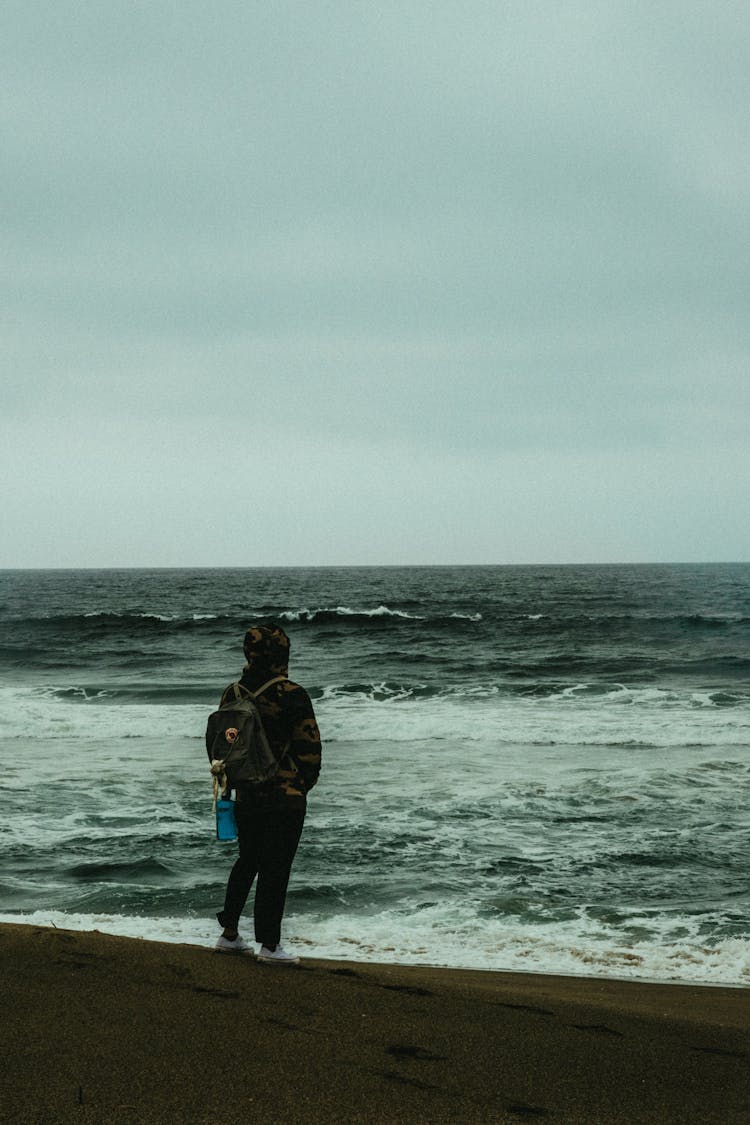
x: 241, y: 692
x: 260, y: 690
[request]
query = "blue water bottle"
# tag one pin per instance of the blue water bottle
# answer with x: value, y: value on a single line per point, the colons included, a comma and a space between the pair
x: 226, y: 826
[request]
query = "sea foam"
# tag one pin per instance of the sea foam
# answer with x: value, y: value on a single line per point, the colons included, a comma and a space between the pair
x: 438, y: 937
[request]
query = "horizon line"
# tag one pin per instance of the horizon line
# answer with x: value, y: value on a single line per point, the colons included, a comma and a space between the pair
x: 372, y: 566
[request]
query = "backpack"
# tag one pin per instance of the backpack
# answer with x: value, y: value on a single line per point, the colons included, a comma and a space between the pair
x: 240, y: 752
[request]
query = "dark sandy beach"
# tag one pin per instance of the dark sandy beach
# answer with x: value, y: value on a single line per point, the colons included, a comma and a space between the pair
x: 100, y: 1028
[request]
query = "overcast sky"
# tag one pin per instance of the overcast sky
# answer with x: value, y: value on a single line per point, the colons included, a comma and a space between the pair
x: 364, y: 282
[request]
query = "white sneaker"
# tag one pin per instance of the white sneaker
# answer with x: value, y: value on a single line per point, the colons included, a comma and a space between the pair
x: 224, y: 945
x: 278, y: 956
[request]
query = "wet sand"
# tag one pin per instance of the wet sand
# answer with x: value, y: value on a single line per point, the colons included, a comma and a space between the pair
x: 97, y: 1028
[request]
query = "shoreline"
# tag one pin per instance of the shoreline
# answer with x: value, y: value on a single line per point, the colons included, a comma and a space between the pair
x: 99, y: 1027
x: 92, y: 924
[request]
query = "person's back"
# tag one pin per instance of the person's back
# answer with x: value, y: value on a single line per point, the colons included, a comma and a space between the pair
x: 270, y: 816
x: 287, y: 714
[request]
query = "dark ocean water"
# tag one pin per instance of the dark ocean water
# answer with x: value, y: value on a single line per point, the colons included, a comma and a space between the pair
x: 531, y: 767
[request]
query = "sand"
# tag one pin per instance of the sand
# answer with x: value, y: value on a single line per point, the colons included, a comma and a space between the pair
x: 96, y: 1028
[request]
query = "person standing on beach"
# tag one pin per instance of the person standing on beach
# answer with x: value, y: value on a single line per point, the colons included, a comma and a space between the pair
x: 270, y: 816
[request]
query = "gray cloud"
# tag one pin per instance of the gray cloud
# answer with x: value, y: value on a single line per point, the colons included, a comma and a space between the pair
x: 509, y: 239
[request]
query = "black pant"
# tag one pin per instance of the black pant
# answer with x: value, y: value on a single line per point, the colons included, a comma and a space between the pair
x: 268, y: 839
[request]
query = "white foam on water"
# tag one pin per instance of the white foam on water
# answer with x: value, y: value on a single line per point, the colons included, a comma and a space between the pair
x: 435, y: 936
x: 113, y: 790
x: 581, y: 714
x: 310, y: 615
x: 188, y: 931
x: 621, y: 717
x: 146, y: 616
x: 345, y: 611
x: 42, y: 714
x: 438, y: 935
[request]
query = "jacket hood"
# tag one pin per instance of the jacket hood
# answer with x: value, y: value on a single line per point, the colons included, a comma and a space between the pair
x: 267, y: 650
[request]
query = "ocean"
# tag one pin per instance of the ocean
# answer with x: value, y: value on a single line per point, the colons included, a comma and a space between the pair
x: 538, y: 768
